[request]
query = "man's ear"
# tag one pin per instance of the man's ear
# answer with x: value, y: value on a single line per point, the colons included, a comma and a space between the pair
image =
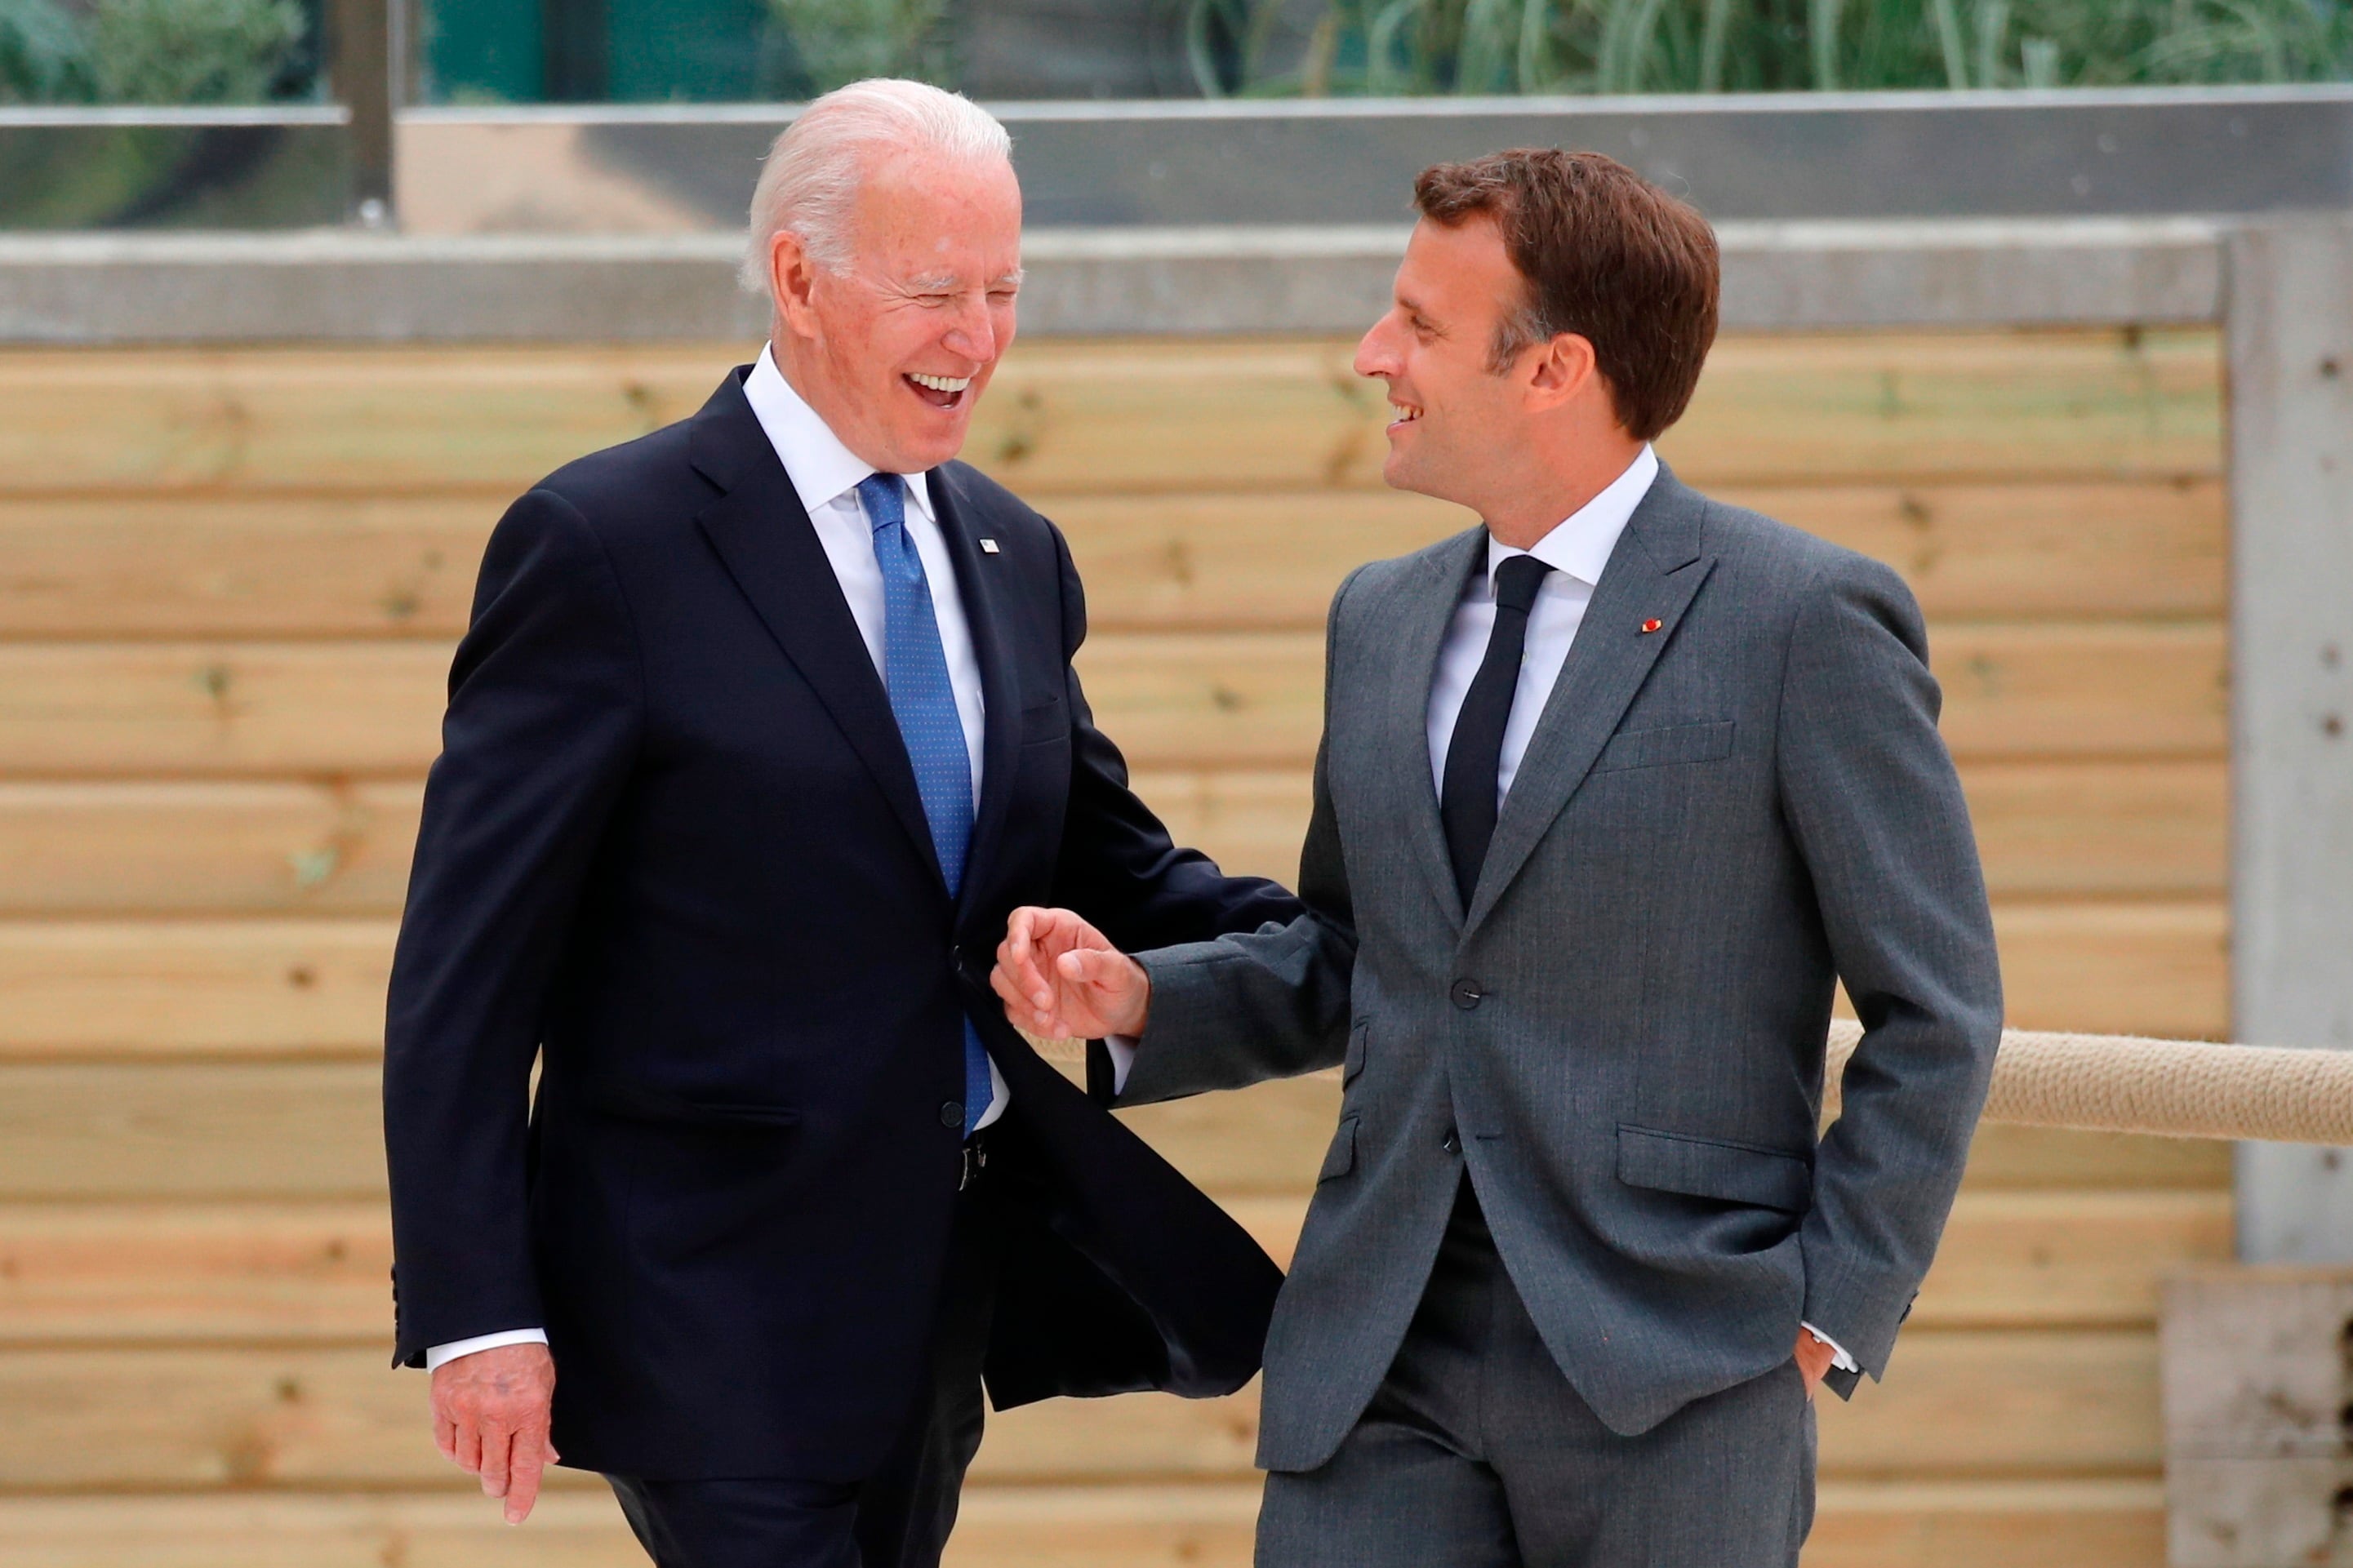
x: 1561, y: 371
x: 791, y: 279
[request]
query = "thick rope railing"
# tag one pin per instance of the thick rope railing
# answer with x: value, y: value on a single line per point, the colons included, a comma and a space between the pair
x: 2118, y: 1083
x: 2174, y: 1089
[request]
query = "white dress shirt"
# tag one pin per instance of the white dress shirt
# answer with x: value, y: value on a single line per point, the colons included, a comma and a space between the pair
x: 1577, y: 550
x: 825, y: 476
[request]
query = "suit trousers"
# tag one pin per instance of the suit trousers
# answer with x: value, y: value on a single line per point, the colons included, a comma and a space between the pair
x: 1476, y: 1452
x: 898, y: 1517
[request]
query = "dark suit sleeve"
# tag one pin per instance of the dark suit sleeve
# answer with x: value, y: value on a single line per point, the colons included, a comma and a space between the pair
x: 1870, y: 793
x: 1271, y: 1002
x: 546, y: 705
x: 1118, y: 867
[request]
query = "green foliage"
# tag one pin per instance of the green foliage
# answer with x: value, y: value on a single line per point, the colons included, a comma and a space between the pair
x: 1775, y: 46
x: 146, y: 51
x: 842, y: 41
x: 42, y: 59
x: 191, y: 51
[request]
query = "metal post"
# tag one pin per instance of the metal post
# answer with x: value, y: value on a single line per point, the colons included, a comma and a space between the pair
x: 2291, y: 357
x: 363, y: 61
x: 573, y: 66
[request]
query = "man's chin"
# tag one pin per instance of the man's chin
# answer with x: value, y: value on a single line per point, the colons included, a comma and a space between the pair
x: 915, y: 451
x: 1401, y: 472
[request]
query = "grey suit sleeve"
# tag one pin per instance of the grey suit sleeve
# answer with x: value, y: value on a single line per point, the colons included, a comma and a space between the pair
x: 1271, y: 1003
x: 1870, y: 793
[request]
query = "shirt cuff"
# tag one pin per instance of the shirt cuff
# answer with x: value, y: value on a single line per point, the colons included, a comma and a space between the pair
x: 439, y: 1356
x: 1123, y: 1060
x: 1839, y: 1358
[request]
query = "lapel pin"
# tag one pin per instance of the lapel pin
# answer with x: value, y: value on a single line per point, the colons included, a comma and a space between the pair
x: 1652, y: 625
x: 988, y: 547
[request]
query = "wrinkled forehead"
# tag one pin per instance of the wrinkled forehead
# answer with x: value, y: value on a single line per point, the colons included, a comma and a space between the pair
x: 931, y: 225
x: 1458, y: 270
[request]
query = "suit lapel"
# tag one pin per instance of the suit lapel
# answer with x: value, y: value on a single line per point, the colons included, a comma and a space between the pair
x: 764, y: 536
x: 981, y: 589
x: 1421, y: 610
x: 1653, y: 575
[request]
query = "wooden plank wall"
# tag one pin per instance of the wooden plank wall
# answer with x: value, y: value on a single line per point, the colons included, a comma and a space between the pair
x: 228, y: 585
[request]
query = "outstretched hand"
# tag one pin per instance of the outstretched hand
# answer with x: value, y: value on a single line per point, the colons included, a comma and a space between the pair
x: 1062, y: 979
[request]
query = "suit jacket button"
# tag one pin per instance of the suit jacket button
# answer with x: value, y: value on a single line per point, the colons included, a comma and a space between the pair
x: 1452, y: 1145
x: 1466, y: 994
x: 952, y: 1114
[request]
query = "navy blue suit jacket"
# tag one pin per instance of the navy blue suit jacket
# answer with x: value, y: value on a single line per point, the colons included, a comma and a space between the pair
x: 673, y: 850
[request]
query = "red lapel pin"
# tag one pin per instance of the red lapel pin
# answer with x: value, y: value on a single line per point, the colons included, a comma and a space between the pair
x: 1652, y: 625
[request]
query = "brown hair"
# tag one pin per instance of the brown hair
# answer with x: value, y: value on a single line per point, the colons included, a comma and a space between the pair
x: 1605, y: 255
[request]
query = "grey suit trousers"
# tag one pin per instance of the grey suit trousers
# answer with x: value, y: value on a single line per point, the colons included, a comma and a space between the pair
x: 1477, y: 1453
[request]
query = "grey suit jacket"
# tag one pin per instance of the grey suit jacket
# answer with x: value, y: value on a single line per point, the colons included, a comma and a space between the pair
x: 1622, y: 1035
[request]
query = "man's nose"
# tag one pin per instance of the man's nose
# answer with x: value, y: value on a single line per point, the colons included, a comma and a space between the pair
x: 972, y: 335
x: 1373, y: 354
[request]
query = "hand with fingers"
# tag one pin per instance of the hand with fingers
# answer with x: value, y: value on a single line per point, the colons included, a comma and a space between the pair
x: 1061, y: 978
x: 490, y: 1418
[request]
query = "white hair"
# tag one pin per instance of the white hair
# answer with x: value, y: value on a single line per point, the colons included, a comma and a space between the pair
x: 810, y: 181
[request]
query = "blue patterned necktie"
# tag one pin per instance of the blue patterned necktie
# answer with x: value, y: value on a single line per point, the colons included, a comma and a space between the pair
x: 915, y: 671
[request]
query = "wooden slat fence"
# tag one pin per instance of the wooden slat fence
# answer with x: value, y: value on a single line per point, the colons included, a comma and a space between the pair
x: 229, y: 581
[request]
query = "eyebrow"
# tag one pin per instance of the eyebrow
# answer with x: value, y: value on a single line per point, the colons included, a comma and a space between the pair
x: 947, y: 282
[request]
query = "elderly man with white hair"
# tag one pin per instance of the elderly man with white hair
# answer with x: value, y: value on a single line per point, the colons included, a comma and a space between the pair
x: 763, y: 725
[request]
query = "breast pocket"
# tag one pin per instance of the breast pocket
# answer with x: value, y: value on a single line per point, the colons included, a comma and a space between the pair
x: 1663, y: 747
x: 1044, y: 721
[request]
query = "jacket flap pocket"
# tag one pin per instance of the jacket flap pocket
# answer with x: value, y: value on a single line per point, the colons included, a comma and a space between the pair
x: 1044, y: 721
x: 632, y: 1103
x: 1359, y: 1035
x: 1341, y: 1158
x: 1712, y: 1168
x: 1675, y: 743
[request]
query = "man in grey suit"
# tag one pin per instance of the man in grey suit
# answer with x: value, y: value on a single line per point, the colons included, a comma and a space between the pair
x: 1613, y: 790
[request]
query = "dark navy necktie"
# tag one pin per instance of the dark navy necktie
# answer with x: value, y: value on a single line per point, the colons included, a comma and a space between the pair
x: 915, y: 671
x: 1467, y: 804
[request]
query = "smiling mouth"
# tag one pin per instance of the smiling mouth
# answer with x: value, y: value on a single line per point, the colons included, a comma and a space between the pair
x: 1403, y: 413
x: 939, y: 391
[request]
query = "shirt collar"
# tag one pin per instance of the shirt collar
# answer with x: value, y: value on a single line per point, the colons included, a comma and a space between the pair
x: 822, y: 469
x: 1580, y: 546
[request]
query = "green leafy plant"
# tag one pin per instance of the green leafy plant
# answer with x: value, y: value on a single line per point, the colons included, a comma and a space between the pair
x: 43, y: 58
x: 1774, y: 46
x: 841, y: 41
x: 162, y: 52
x: 191, y: 51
